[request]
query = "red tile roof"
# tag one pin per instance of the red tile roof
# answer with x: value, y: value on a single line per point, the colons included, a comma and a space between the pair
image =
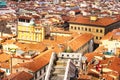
x: 4, y: 57
x: 19, y: 76
x: 79, y: 41
x: 108, y: 36
x: 85, y: 20
x: 115, y: 64
x: 115, y: 34
x: 90, y: 56
x: 39, y: 62
x: 112, y: 63
x: 25, y: 17
x: 5, y: 65
x: 27, y: 46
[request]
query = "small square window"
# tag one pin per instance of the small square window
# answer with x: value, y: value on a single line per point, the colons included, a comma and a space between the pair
x: 85, y: 29
x: 100, y: 37
x: 90, y: 29
x: 75, y: 28
x: 96, y: 37
x: 67, y: 55
x: 101, y: 31
x: 40, y: 72
x: 96, y: 30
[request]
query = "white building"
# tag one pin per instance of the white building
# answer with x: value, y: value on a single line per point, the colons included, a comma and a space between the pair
x: 63, y: 66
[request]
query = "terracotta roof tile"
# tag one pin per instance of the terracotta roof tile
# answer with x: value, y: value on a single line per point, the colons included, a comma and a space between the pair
x: 115, y: 34
x: 112, y: 63
x: 115, y: 64
x: 27, y: 46
x: 105, y: 21
x: 90, y: 56
x: 107, y: 36
x: 39, y: 62
x: 4, y: 57
x: 66, y: 18
x: 20, y: 76
x: 84, y: 77
x: 79, y: 41
x: 5, y: 65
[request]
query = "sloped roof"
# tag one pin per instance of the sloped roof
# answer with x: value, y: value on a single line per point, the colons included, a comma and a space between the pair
x: 79, y: 41
x: 115, y: 34
x: 90, y: 56
x: 29, y: 46
x: 113, y: 66
x: 39, y: 62
x: 85, y: 20
x: 19, y: 76
x: 5, y: 65
x: 4, y: 57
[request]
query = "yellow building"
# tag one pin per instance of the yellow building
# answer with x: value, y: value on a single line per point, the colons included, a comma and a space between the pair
x: 29, y: 31
x: 92, y: 24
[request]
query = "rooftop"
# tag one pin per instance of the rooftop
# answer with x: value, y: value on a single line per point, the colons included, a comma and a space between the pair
x: 81, y: 40
x: 19, y: 76
x: 85, y: 20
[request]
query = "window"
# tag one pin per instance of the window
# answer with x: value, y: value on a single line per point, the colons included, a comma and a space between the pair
x: 13, y: 26
x: 16, y: 70
x: 101, y: 31
x: 7, y: 70
x: 90, y: 29
x: 96, y: 37
x: 71, y: 27
x: 40, y: 72
x: 67, y: 55
x: 75, y: 28
x: 45, y: 69
x: 76, y: 62
x: 35, y: 75
x: 19, y: 19
x: 78, y: 28
x: 44, y: 78
x: 96, y: 30
x: 85, y: 29
x: 27, y: 21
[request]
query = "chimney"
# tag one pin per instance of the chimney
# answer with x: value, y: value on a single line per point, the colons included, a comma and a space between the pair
x: 93, y: 18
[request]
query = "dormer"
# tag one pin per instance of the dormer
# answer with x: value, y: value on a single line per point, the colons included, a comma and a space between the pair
x: 93, y: 18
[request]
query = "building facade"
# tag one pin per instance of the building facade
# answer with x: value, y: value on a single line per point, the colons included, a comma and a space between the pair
x: 97, y: 26
x: 28, y: 31
x: 60, y: 68
x: 83, y: 43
